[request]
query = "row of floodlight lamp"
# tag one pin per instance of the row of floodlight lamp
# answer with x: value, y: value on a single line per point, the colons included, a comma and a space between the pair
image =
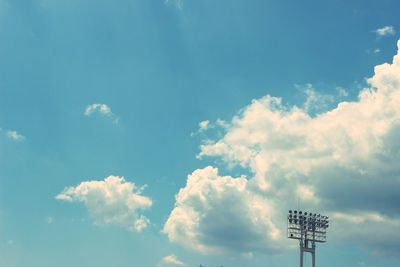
x: 309, y: 219
x: 309, y: 214
x: 308, y: 224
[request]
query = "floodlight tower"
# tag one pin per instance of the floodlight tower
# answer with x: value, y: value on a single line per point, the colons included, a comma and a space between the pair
x: 308, y: 228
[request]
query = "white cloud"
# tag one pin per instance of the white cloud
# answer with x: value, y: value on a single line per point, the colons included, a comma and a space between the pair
x: 112, y: 201
x: 385, y: 31
x: 171, y: 260
x: 204, y: 125
x: 344, y: 161
x: 14, y: 135
x: 207, y: 125
x: 219, y: 214
x: 101, y: 109
x: 306, y: 193
x: 221, y: 123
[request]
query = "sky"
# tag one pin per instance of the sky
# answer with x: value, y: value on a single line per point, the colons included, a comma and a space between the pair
x: 180, y: 132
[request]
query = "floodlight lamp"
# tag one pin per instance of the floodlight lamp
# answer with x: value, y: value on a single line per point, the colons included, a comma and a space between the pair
x: 295, y: 211
x: 290, y: 211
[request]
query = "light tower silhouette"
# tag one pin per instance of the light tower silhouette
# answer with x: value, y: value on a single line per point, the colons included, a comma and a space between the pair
x: 308, y: 228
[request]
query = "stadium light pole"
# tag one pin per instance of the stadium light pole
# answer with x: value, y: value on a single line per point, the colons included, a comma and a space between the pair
x: 308, y: 228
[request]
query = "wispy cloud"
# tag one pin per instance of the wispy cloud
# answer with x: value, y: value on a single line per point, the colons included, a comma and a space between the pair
x: 385, y: 31
x: 203, y: 126
x: 102, y: 109
x: 317, y: 102
x: 177, y: 3
x: 111, y: 201
x: 206, y: 125
x: 13, y: 135
x: 171, y: 260
x: 49, y: 219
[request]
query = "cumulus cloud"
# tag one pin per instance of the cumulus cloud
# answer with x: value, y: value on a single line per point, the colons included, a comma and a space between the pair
x: 343, y: 161
x: 385, y: 31
x: 171, y: 260
x: 216, y: 213
x: 101, y: 109
x: 13, y: 135
x: 111, y: 201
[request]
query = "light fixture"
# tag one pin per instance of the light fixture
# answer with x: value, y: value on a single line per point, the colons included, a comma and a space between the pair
x: 308, y: 228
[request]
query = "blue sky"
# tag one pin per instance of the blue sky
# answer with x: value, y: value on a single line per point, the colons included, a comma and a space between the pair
x: 219, y: 116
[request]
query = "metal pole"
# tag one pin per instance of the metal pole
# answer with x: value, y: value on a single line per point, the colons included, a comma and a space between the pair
x: 301, y: 255
x: 313, y: 258
x: 313, y: 254
x: 301, y: 247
